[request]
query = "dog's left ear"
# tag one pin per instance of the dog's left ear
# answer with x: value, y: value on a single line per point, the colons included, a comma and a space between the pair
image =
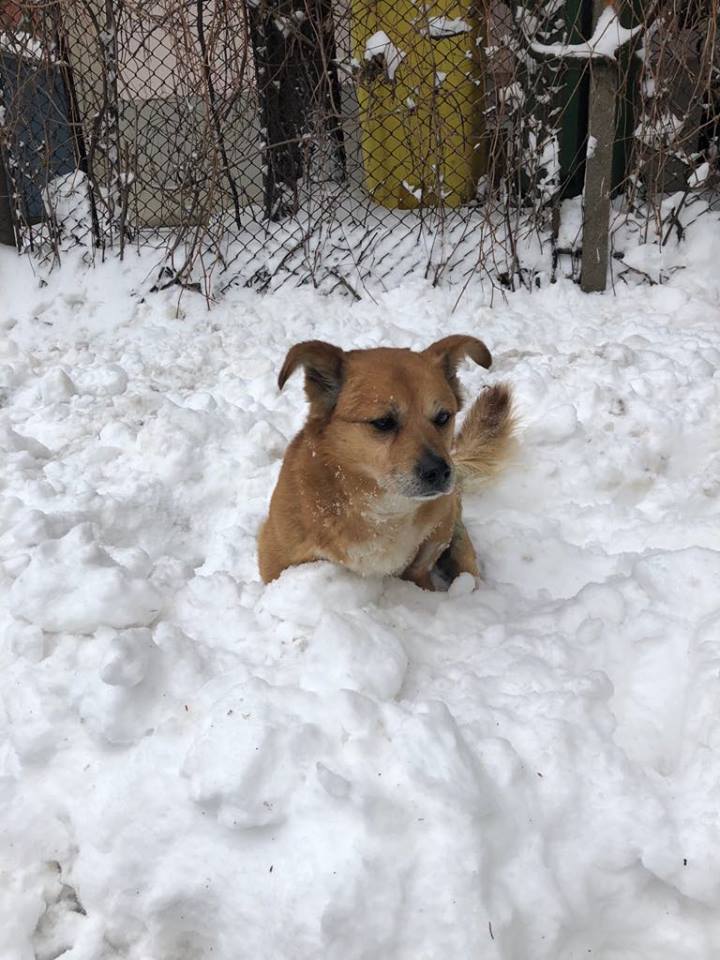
x: 449, y: 351
x: 323, y: 365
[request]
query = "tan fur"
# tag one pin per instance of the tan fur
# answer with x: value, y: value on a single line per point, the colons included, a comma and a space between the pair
x: 349, y: 493
x: 484, y: 442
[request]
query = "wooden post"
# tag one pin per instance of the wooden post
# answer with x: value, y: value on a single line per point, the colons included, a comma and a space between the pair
x: 598, y: 169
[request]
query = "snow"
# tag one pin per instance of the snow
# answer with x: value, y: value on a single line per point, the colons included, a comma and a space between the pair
x: 66, y: 198
x: 440, y: 27
x: 414, y: 191
x: 71, y: 584
x: 193, y: 764
x: 23, y: 45
x: 380, y: 45
x: 607, y: 38
x: 662, y: 128
x: 699, y: 176
x: 513, y: 95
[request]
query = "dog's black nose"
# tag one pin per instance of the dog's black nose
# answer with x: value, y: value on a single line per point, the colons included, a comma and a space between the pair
x: 433, y: 471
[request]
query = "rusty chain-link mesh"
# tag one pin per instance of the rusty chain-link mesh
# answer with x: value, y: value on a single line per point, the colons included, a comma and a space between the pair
x: 335, y: 143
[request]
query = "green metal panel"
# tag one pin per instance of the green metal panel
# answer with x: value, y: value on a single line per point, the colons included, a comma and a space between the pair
x: 7, y: 232
x: 574, y: 97
x: 631, y: 13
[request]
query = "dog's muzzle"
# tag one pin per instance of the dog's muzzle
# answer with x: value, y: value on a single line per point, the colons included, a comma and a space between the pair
x: 433, y: 475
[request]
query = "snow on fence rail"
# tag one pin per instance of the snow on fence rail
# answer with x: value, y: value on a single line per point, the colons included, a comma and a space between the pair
x: 358, y: 141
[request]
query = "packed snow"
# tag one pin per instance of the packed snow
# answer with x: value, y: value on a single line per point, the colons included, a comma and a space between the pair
x: 195, y: 765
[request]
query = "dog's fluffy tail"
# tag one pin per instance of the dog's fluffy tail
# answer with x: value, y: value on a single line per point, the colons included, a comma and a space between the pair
x: 485, y: 441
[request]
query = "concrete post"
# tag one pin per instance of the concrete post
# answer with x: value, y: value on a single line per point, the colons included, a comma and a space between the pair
x: 598, y: 169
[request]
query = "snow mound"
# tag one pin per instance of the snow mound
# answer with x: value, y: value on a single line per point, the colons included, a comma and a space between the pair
x: 73, y: 585
x: 195, y: 765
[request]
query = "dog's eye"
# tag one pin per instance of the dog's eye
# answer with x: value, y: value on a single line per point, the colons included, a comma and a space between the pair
x: 441, y: 418
x: 384, y: 424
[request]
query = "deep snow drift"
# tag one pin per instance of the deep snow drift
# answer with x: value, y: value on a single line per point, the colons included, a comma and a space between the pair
x: 195, y: 766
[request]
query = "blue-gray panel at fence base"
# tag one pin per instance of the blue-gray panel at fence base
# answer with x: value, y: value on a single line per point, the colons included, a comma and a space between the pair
x: 39, y: 138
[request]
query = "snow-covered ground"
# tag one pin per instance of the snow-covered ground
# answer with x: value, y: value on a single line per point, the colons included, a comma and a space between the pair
x: 193, y: 765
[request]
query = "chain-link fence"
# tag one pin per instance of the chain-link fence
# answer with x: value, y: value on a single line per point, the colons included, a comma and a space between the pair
x: 337, y: 143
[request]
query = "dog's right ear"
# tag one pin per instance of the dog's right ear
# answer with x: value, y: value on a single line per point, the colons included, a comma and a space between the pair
x: 323, y: 364
x: 451, y: 350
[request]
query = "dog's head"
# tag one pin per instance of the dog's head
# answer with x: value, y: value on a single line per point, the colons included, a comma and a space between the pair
x: 387, y: 414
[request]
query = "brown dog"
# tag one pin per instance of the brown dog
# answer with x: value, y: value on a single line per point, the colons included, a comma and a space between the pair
x: 370, y: 482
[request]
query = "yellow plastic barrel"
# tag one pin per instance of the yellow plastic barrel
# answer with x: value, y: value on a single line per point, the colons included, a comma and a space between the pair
x: 420, y: 91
